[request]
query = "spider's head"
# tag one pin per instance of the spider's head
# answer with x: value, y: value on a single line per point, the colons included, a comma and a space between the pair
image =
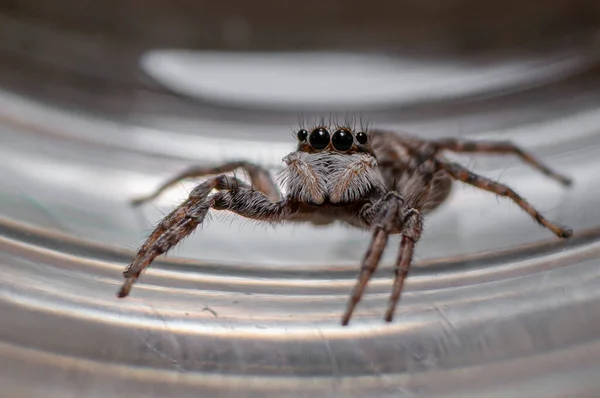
x: 341, y: 140
x: 331, y: 168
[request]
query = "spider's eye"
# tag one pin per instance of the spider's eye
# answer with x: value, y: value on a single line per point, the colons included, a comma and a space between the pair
x: 342, y: 140
x: 361, y: 137
x: 302, y: 135
x: 319, y: 138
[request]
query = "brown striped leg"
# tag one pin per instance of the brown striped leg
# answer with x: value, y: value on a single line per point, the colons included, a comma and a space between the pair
x: 371, y: 260
x: 173, y: 228
x: 412, y: 232
x: 416, y: 192
x: 463, y: 174
x: 260, y: 178
x: 233, y: 195
x: 503, y: 147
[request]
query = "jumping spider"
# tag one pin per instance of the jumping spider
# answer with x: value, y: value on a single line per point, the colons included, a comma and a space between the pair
x: 373, y: 180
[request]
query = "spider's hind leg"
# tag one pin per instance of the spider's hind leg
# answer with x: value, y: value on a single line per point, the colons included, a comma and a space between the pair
x: 463, y: 174
x: 259, y: 177
x: 502, y: 148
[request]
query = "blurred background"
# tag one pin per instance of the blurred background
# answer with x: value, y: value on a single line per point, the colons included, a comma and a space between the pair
x: 100, y: 102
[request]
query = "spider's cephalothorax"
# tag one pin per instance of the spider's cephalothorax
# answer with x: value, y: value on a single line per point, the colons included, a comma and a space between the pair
x: 331, y: 169
x: 376, y: 180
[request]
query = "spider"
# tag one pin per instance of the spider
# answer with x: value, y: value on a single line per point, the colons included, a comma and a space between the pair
x: 375, y: 180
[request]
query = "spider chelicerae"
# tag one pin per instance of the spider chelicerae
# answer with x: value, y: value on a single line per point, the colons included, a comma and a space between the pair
x: 376, y: 180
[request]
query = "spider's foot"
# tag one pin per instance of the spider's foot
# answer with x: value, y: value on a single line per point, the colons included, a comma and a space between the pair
x: 389, y: 313
x: 566, y: 181
x: 346, y: 318
x: 126, y: 288
x: 559, y: 231
x: 565, y: 233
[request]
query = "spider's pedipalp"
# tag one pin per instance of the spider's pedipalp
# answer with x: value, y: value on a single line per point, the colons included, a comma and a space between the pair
x: 303, y: 178
x: 358, y: 176
x: 333, y: 177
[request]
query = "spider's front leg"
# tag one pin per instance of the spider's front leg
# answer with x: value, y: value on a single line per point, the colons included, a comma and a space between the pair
x: 385, y: 213
x: 394, y: 213
x: 412, y: 232
x: 233, y: 195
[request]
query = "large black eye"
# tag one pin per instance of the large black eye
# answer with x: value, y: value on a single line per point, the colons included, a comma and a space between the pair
x: 342, y: 140
x: 302, y: 135
x: 361, y: 137
x: 319, y: 138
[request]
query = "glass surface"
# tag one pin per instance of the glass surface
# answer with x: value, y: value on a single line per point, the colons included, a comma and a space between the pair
x: 494, y: 304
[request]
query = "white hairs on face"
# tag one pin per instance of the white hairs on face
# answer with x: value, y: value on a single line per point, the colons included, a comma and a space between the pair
x: 340, y: 178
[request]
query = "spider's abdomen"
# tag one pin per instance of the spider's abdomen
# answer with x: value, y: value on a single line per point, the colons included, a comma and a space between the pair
x: 330, y: 177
